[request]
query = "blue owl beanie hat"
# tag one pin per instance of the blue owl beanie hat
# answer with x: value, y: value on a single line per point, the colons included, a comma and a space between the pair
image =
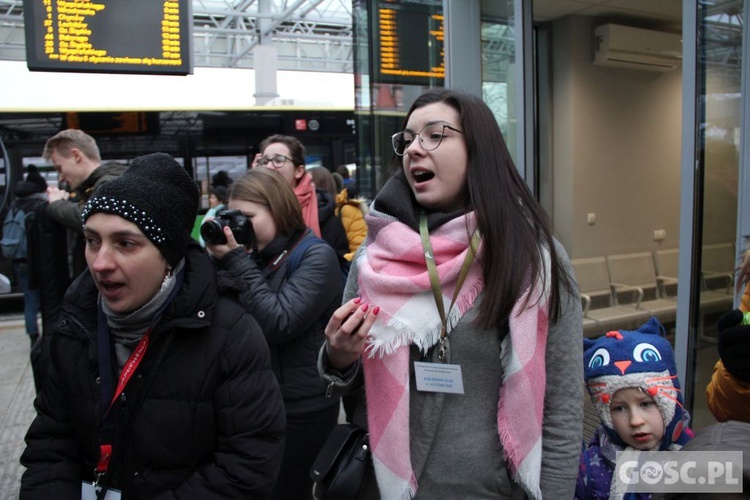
x: 644, y: 359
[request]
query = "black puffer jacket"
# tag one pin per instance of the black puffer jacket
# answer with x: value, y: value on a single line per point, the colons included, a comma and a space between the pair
x: 210, y: 425
x: 292, y: 312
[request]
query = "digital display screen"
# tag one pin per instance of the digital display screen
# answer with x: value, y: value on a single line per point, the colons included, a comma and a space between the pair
x: 126, y: 122
x: 409, y: 43
x: 109, y: 36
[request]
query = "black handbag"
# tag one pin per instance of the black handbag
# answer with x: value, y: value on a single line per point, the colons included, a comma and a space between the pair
x: 341, y: 465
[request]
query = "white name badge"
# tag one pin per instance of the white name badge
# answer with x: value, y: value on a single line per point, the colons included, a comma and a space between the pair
x: 438, y: 377
x: 89, y: 493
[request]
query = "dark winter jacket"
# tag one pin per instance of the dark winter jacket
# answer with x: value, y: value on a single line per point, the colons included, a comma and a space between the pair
x: 331, y: 228
x: 292, y: 311
x: 28, y: 198
x: 210, y: 421
x: 46, y: 244
x: 68, y: 212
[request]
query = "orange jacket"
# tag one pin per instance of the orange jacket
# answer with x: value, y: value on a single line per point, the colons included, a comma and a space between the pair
x: 727, y: 397
x: 352, y: 217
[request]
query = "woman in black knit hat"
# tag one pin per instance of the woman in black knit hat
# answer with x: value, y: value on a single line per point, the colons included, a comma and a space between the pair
x: 159, y: 386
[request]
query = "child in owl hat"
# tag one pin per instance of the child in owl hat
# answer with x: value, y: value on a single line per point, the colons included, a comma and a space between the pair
x: 632, y: 379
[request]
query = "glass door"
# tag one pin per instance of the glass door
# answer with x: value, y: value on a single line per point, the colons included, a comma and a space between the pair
x: 718, y: 141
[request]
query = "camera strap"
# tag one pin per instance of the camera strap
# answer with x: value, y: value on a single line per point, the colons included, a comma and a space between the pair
x: 275, y: 264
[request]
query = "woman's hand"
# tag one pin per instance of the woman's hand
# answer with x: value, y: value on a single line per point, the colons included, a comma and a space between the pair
x: 347, y: 331
x: 219, y: 250
x: 257, y: 157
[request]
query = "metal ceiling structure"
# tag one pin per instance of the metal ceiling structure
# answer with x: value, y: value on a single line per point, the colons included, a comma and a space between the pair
x: 317, y: 34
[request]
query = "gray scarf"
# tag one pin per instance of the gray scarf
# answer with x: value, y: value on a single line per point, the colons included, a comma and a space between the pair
x: 126, y: 330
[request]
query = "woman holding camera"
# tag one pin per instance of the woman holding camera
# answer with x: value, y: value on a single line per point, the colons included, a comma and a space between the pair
x: 286, y: 155
x: 289, y: 280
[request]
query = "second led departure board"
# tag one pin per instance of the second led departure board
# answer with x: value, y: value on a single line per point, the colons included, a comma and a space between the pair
x: 409, y: 43
x: 109, y: 36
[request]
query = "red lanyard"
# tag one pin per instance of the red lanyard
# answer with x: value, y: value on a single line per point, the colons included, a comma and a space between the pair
x: 105, y: 450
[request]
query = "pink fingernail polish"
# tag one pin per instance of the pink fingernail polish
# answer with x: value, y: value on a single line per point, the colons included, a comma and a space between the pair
x: 357, y: 300
x: 376, y: 311
x: 365, y: 307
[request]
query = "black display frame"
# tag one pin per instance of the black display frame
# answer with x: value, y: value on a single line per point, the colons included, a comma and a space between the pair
x: 109, y: 36
x: 409, y: 46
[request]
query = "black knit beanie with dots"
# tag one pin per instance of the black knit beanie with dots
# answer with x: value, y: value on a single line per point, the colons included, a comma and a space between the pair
x: 156, y: 194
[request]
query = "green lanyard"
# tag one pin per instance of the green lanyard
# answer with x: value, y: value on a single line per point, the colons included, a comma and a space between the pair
x: 435, y: 279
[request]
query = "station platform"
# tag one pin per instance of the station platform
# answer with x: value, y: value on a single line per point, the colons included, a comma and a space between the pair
x: 16, y: 401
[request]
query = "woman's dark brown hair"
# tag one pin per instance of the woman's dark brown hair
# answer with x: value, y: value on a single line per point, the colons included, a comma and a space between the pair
x: 514, y: 226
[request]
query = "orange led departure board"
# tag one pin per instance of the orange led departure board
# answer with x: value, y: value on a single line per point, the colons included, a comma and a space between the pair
x: 109, y: 36
x: 409, y: 42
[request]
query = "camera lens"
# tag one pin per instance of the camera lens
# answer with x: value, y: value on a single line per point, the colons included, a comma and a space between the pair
x: 212, y: 232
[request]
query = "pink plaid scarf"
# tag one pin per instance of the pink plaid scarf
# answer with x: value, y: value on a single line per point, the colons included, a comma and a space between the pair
x: 393, y: 276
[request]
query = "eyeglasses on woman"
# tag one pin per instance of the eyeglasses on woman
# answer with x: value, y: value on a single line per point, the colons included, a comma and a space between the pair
x: 430, y: 137
x: 277, y: 161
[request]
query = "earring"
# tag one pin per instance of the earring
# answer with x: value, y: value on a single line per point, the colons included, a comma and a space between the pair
x: 167, y: 279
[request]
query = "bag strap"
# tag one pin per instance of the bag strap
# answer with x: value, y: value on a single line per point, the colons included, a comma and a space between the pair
x: 295, y: 258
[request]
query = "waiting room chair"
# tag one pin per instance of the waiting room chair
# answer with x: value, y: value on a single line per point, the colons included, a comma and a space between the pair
x: 636, y: 271
x: 600, y: 313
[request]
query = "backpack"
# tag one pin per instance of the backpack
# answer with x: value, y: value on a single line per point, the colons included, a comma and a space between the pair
x: 14, y: 234
x: 295, y: 258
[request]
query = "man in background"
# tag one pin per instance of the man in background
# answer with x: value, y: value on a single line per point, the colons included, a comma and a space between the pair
x: 75, y: 155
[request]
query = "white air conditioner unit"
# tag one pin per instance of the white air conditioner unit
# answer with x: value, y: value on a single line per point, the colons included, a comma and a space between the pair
x: 626, y: 47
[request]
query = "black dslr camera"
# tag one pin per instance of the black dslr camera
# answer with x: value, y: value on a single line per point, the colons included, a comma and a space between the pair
x: 242, y: 228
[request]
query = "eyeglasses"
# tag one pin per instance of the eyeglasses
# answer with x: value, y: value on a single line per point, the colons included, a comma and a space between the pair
x: 430, y: 138
x: 277, y: 161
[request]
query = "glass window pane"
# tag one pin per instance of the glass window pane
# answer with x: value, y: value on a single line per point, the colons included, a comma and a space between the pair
x: 720, y: 39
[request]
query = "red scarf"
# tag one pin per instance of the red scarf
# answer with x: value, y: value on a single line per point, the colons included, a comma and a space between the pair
x: 305, y: 193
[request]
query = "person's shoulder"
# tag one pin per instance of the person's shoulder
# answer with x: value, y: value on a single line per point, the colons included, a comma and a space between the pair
x: 112, y: 166
x: 325, y: 198
x: 311, y: 244
x: 232, y: 318
x: 107, y: 171
x: 312, y: 251
x: 729, y: 435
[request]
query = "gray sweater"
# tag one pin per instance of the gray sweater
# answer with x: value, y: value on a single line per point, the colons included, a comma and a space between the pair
x: 455, y: 448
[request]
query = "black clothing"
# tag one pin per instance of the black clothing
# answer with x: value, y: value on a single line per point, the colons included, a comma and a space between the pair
x: 46, y: 245
x: 166, y: 218
x: 331, y: 228
x: 47, y: 260
x: 210, y: 424
x: 292, y: 312
x: 293, y: 308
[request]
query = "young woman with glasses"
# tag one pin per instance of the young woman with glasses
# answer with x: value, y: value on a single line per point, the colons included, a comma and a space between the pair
x: 462, y: 314
x: 286, y: 155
